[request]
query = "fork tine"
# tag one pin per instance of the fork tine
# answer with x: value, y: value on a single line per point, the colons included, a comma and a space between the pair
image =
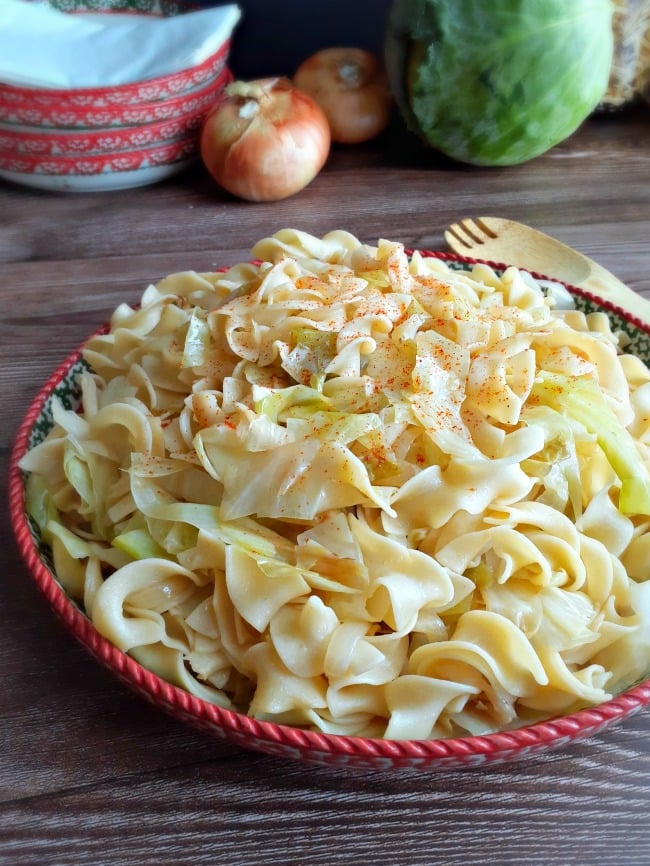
x: 455, y: 235
x: 465, y: 232
x: 454, y: 242
x: 473, y: 229
x: 486, y: 224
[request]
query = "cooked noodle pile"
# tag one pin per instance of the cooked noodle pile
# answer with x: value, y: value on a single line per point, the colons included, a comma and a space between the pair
x: 359, y: 492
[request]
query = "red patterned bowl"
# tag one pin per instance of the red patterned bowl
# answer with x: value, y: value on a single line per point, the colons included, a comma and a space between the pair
x: 150, y: 90
x: 282, y: 740
x: 60, y: 115
x: 96, y: 172
x: 101, y: 98
x: 32, y: 140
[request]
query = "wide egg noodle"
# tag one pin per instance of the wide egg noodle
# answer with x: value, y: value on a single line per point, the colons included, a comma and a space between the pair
x: 330, y: 487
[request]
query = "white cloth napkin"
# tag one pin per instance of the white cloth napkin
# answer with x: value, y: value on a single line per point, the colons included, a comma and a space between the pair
x: 43, y: 47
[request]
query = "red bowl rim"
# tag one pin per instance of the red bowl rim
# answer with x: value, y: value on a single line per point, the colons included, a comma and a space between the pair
x: 282, y: 739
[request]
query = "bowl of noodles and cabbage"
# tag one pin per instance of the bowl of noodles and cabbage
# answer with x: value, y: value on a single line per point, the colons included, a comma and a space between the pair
x: 354, y: 504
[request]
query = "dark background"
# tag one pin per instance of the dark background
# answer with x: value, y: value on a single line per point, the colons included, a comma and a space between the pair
x: 274, y: 36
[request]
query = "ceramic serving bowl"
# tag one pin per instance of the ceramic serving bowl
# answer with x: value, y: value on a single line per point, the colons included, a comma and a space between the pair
x: 281, y: 740
x: 100, y: 98
x: 32, y: 140
x: 133, y: 93
x: 112, y: 156
x: 60, y: 115
x: 95, y: 172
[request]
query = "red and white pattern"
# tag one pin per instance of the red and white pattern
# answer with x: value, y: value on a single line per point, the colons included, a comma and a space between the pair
x: 83, y: 164
x: 103, y: 138
x: 26, y: 140
x: 62, y: 116
x: 101, y: 98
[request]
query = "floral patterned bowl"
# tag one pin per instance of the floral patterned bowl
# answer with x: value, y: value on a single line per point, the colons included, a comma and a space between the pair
x: 150, y: 90
x: 282, y: 740
x: 62, y: 115
x: 98, y: 138
x: 86, y: 172
x: 102, y: 98
x: 32, y: 140
x: 112, y: 156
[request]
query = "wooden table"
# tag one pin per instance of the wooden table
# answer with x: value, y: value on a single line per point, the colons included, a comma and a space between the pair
x: 89, y: 772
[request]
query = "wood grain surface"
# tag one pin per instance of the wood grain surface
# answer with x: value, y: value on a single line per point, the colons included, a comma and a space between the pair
x: 89, y: 772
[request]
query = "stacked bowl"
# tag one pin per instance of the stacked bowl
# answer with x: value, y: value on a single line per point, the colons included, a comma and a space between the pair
x: 112, y: 137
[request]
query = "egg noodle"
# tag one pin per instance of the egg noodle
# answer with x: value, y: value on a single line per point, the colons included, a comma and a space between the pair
x: 358, y: 491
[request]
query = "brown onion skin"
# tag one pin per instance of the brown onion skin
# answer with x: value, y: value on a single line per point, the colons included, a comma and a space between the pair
x: 267, y: 145
x: 351, y: 86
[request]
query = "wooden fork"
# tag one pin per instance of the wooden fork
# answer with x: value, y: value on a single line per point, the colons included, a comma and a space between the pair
x: 510, y: 242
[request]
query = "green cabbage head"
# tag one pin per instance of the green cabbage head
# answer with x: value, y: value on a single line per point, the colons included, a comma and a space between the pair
x: 498, y: 82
